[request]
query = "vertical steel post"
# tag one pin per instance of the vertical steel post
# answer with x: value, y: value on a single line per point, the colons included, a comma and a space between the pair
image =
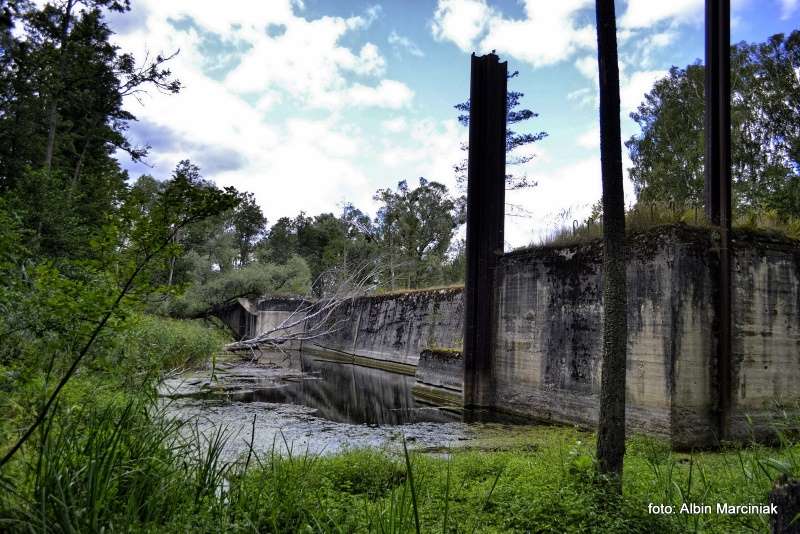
x: 485, y: 218
x: 718, y: 183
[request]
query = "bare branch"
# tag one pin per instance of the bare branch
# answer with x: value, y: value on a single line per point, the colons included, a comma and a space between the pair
x: 313, y: 319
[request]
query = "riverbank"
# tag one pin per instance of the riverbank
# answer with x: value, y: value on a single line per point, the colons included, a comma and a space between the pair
x: 112, y: 458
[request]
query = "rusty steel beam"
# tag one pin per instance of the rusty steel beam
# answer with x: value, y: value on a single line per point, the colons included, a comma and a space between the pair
x: 718, y: 185
x: 485, y: 219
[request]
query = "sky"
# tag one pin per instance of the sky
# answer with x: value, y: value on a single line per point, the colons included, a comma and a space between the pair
x: 313, y: 103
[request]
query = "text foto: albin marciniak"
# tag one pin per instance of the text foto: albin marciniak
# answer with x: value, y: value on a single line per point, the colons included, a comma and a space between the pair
x: 720, y: 508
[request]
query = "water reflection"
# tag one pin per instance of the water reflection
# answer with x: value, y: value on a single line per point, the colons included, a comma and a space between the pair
x: 346, y: 393
x: 309, y: 405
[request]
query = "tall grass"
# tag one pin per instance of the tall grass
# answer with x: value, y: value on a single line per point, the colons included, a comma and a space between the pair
x: 155, y: 344
x: 125, y: 466
x: 646, y: 215
x: 109, y: 459
x: 114, y: 466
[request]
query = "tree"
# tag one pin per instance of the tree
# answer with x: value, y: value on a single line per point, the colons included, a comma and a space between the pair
x: 281, y: 242
x: 329, y: 244
x: 140, y: 240
x: 668, y: 155
x: 221, y: 289
x: 611, y: 426
x: 414, y: 228
x: 514, y: 140
x: 62, y: 85
x: 249, y: 225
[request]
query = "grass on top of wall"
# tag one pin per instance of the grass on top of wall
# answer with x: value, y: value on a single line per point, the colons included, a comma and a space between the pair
x: 646, y: 216
x: 385, y: 292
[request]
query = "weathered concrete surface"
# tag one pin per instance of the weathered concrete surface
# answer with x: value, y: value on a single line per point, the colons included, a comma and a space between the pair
x: 766, y: 340
x: 440, y: 375
x: 397, y: 327
x: 252, y: 317
x: 549, y: 334
x: 548, y: 337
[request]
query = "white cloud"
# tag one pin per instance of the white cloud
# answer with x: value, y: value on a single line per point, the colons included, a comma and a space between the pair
x: 307, y: 62
x: 662, y: 39
x: 564, y: 193
x: 788, y: 7
x: 387, y: 94
x: 252, y: 127
x: 395, y: 125
x: 634, y: 87
x: 590, y: 139
x: 646, y: 13
x: 460, y: 21
x: 430, y: 150
x: 587, y: 65
x: 400, y: 42
x: 548, y: 34
x: 584, y: 96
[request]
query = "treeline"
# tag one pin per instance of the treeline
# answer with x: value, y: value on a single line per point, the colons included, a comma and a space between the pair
x: 70, y: 206
x: 408, y: 244
x: 667, y: 155
x: 411, y: 239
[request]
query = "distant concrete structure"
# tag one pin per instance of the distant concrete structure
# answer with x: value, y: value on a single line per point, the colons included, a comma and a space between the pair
x: 249, y: 318
x: 548, y: 337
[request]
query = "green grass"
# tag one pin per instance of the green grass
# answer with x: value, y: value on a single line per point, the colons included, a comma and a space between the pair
x: 645, y: 216
x: 108, y: 459
x: 120, y: 467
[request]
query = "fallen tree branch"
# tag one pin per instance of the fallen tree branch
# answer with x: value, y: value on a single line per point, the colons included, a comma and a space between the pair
x: 314, y: 319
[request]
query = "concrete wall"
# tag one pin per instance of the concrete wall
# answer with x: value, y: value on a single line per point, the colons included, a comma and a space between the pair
x: 766, y: 343
x: 440, y: 376
x: 252, y: 317
x: 548, y: 338
x: 397, y: 327
x: 548, y: 343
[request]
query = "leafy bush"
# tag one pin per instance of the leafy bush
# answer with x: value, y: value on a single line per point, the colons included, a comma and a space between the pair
x: 154, y: 344
x: 202, y: 299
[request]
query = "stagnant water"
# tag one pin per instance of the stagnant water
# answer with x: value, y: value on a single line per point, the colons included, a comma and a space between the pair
x: 303, y: 404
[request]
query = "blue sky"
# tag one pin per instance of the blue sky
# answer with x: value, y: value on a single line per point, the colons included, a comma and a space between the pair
x: 313, y: 103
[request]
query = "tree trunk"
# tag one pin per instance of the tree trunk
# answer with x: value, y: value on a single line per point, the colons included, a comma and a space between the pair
x: 611, y: 428
x: 785, y: 495
x: 52, y: 117
x: 73, y: 186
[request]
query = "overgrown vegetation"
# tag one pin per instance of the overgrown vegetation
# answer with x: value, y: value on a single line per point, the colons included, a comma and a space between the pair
x: 667, y: 155
x: 95, y: 268
x: 116, y: 466
x: 646, y: 215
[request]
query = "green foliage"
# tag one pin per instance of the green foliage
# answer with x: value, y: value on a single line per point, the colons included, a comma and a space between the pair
x: 646, y: 215
x: 765, y: 111
x: 414, y: 228
x: 223, y: 288
x: 112, y: 465
x: 150, y: 345
x: 365, y: 472
x: 325, y: 242
x: 118, y: 463
x: 668, y: 156
x: 62, y: 85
